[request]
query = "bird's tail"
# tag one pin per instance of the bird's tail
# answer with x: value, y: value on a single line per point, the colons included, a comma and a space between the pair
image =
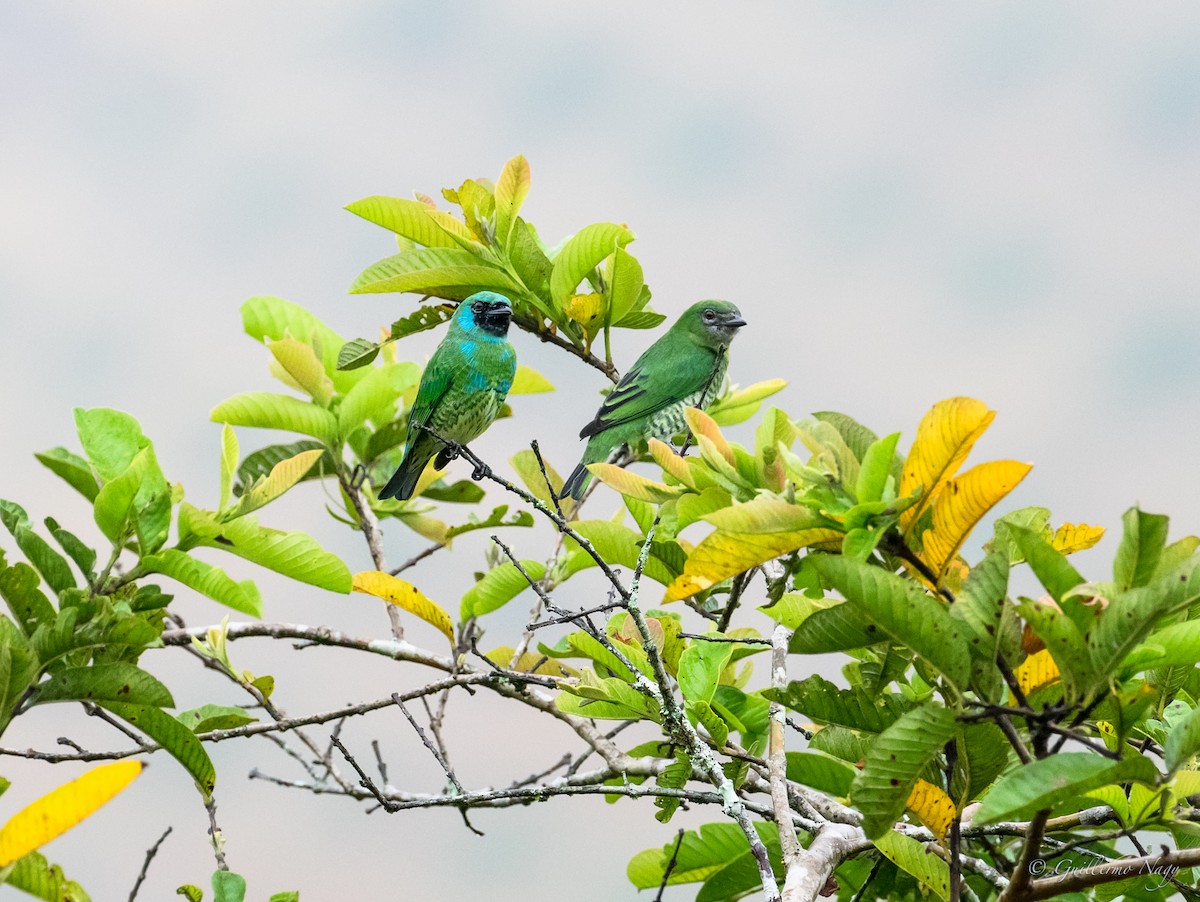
x: 416, y: 456
x: 577, y: 482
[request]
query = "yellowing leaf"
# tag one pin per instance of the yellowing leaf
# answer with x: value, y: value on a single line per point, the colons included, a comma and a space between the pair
x: 742, y: 403
x: 961, y: 503
x: 1037, y: 671
x: 664, y: 455
x: 529, y: 381
x: 725, y: 554
x: 527, y: 663
x: 632, y: 485
x: 404, y: 595
x: 701, y: 424
x: 764, y: 514
x: 511, y: 190
x: 1072, y: 537
x: 586, y: 310
x: 282, y: 477
x: 932, y: 806
x: 61, y: 809
x: 944, y: 439
x: 301, y: 363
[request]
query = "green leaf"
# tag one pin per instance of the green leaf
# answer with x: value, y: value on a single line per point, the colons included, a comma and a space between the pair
x: 36, y: 876
x: 422, y: 319
x: 531, y: 264
x: 294, y: 554
x: 407, y: 218
x: 839, y: 627
x: 268, y: 318
x: 111, y: 439
x: 494, y: 519
x: 139, y: 497
x: 83, y: 556
x: 357, y: 353
x: 230, y: 453
x: 1183, y: 741
x: 1048, y: 781
x: 267, y: 410
x: 191, y: 892
x: 72, y: 468
x: 112, y: 682
x: 18, y: 669
x: 912, y: 857
x: 741, y: 404
x: 821, y: 771
x: 983, y: 754
x: 700, y: 668
x: 53, y: 567
x: 499, y: 586
x: 620, y: 546
x: 178, y: 741
x: 1128, y: 619
x: 606, y: 698
x: 1142, y: 545
x: 206, y: 579
x: 641, y: 319
x: 228, y: 887
x: 903, y: 611
x: 876, y: 467
x: 283, y: 476
x: 856, y: 436
x: 290, y: 896
x: 715, y: 852
x: 1065, y: 643
x: 624, y: 282
x: 462, y: 492
x: 214, y: 717
x: 825, y: 703
x: 1051, y: 568
x: 374, y: 398
x: 19, y: 586
x: 450, y: 273
x: 893, y: 763
x: 525, y: 464
x: 585, y: 250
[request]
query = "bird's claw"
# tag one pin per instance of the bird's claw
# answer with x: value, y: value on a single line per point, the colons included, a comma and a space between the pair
x: 453, y: 451
x: 481, y: 471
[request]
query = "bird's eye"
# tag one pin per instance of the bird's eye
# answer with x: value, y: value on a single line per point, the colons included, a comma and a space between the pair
x: 709, y: 315
x: 477, y: 307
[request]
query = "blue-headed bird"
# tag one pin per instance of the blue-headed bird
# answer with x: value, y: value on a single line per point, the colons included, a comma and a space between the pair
x: 461, y: 391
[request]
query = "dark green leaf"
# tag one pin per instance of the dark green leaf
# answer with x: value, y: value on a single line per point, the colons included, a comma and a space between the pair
x: 36, y: 876
x: 83, y: 556
x: 180, y: 742
x: 641, y: 319
x: 465, y: 491
x: 825, y: 703
x: 259, y: 464
x: 903, y: 611
x: 858, y: 438
x: 357, y: 353
x: 1051, y: 568
x: 72, y: 468
x: 114, y: 682
x: 1065, y: 643
x: 1045, y: 783
x: 1183, y: 741
x: 422, y: 319
x: 214, y: 717
x: 494, y: 519
x: 894, y: 762
x: 821, y: 771
x: 839, y: 627
x: 983, y: 754
x: 1142, y: 545
x: 19, y: 586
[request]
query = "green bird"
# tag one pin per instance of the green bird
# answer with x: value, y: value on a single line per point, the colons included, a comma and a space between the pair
x: 461, y: 391
x: 684, y: 368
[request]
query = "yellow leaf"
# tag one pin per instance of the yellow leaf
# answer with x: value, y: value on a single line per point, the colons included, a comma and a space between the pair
x: 404, y: 595
x: 1072, y: 537
x: 701, y: 424
x: 726, y: 554
x: 452, y: 226
x: 61, y: 809
x: 632, y: 485
x: 961, y: 503
x: 301, y: 363
x: 511, y: 190
x: 1037, y: 671
x: 932, y: 806
x: 585, y: 309
x: 282, y: 477
x: 529, y: 381
x: 944, y: 439
x: 664, y: 455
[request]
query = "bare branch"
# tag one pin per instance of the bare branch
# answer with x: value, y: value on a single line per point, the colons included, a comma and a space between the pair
x: 150, y: 853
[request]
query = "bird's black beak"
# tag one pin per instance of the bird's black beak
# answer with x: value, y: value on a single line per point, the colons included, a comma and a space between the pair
x: 735, y: 323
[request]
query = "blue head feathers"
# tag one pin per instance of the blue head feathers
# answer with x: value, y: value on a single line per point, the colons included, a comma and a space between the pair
x: 485, y: 312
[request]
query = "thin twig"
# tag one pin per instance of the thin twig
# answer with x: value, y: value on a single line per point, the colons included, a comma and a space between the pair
x: 417, y: 558
x: 215, y: 834
x: 363, y: 780
x: 399, y: 702
x: 150, y: 853
x: 666, y: 877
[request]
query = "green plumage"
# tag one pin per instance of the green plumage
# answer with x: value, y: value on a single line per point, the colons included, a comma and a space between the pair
x: 684, y: 368
x: 461, y: 391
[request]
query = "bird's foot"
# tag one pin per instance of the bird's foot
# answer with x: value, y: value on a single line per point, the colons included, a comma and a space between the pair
x: 358, y: 476
x: 452, y: 451
x: 481, y: 471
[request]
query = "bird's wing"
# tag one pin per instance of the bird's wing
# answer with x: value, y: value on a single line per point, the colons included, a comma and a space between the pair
x: 436, y: 381
x: 654, y: 382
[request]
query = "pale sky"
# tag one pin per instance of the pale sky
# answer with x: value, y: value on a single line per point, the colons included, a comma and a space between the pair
x: 907, y: 203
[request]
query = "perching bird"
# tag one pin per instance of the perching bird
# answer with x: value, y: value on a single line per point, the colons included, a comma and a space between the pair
x: 684, y: 368
x: 461, y: 391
